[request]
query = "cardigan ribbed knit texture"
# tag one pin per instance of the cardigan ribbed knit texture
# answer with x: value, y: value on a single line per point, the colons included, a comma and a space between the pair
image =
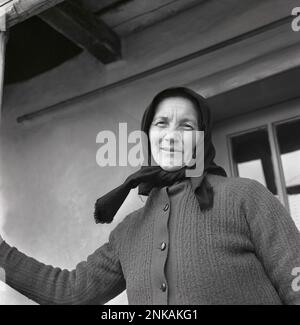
x: 242, y: 251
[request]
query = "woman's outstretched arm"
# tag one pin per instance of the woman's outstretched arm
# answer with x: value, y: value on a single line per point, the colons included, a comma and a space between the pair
x: 275, y: 237
x: 94, y: 281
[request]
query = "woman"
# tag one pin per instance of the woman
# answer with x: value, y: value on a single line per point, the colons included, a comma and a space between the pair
x: 209, y: 239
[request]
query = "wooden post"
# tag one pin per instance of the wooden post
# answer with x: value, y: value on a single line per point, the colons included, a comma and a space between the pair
x: 2, y: 64
x: 2, y: 55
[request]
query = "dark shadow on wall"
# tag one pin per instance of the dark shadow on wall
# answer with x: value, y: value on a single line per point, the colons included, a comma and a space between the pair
x: 34, y: 47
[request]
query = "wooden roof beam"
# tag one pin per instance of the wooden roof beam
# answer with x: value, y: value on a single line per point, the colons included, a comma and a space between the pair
x: 83, y: 28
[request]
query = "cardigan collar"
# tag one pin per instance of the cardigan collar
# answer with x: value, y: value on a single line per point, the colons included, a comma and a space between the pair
x: 195, y: 182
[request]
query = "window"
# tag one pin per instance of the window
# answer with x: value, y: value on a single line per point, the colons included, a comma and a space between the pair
x: 271, y: 155
x: 251, y: 154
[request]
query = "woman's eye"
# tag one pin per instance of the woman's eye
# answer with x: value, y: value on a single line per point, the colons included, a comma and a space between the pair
x: 160, y: 123
x: 188, y: 126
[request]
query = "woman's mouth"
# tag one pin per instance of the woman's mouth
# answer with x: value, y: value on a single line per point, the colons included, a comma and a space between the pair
x: 169, y: 149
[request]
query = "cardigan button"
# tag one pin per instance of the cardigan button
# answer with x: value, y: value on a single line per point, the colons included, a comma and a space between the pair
x: 166, y: 207
x: 163, y: 246
x: 163, y: 287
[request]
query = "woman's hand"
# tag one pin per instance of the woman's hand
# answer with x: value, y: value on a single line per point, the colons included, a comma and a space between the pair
x: 1, y: 240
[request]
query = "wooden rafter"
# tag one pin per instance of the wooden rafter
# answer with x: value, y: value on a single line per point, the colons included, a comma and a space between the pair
x: 16, y: 11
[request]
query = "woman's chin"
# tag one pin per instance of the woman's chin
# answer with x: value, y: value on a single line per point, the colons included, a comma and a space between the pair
x: 170, y: 168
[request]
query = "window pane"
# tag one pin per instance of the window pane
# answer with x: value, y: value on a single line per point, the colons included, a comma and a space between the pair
x: 288, y: 135
x: 252, y: 157
x: 252, y: 169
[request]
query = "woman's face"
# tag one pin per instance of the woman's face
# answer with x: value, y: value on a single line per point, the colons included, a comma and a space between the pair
x: 172, y: 134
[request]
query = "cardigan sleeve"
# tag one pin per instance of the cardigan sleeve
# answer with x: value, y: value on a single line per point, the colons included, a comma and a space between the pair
x: 275, y: 237
x: 94, y: 281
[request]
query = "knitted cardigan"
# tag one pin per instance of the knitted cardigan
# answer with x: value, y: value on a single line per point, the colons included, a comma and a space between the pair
x: 242, y: 251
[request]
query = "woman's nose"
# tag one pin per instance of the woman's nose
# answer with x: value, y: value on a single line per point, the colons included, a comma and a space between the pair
x: 172, y: 136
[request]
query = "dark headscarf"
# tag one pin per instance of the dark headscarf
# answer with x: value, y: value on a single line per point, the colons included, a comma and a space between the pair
x: 149, y: 176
